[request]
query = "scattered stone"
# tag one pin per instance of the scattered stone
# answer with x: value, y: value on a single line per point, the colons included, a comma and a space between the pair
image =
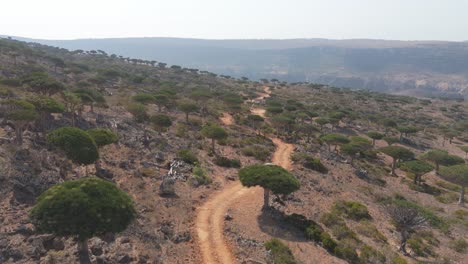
x: 228, y: 217
x: 167, y: 187
x: 183, y: 237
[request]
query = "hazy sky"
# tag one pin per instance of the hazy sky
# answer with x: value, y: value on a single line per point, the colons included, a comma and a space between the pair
x: 219, y: 19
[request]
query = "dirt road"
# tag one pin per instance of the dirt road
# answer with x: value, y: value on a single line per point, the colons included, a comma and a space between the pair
x: 209, y: 223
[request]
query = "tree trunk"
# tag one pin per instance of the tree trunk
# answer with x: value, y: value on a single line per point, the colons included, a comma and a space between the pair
x: 213, y: 145
x: 461, y: 200
x: 393, y: 167
x: 19, y: 135
x: 97, y: 166
x: 73, y: 118
x: 404, y: 238
x: 186, y: 117
x: 415, y: 180
x: 266, y: 198
x: 83, y: 251
x: 437, y: 168
x: 373, y: 142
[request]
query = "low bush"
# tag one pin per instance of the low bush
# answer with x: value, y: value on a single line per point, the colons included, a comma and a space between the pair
x: 279, y: 252
x: 420, y: 248
x: 427, y: 213
x: 367, y: 229
x: 187, y: 156
x: 315, y: 164
x: 347, y: 253
x: 351, y: 209
x: 425, y: 188
x: 314, y: 232
x: 399, y: 260
x: 327, y: 242
x: 343, y: 232
x: 258, y: 152
x: 370, y: 255
x: 200, y: 176
x: 309, y: 162
x: 331, y: 219
x: 459, y: 245
x: 227, y: 163
x: 448, y: 197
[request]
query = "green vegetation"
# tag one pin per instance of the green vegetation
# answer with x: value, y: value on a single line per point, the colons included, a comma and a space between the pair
x: 441, y: 157
x: 459, y: 245
x: 309, y: 162
x: 397, y: 153
x: 102, y: 207
x: 334, y: 139
x: 279, y: 252
x: 78, y: 145
x: 200, y: 176
x: 226, y: 162
x: 214, y: 132
x: 20, y: 113
x: 187, y: 156
x: 375, y: 136
x: 271, y: 177
x: 351, y: 209
x: 103, y: 136
x: 160, y: 122
x: 259, y: 152
x: 416, y: 167
x: 457, y: 174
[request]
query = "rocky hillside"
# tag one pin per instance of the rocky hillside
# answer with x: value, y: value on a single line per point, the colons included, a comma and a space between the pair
x: 418, y: 68
x: 182, y: 136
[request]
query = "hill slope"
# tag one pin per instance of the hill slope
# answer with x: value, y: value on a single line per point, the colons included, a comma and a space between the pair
x: 167, y: 162
x: 405, y: 67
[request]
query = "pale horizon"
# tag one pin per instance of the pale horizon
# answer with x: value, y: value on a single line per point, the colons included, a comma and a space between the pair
x: 416, y: 20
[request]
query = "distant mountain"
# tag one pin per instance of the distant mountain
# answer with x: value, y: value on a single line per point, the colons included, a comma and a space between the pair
x: 425, y: 68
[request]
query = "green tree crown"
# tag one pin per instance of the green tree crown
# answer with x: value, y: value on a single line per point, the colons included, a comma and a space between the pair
x: 103, y: 136
x: 83, y: 209
x: 271, y: 177
x: 76, y: 143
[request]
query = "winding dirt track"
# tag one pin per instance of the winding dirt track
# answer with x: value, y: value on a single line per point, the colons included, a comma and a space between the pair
x: 209, y: 223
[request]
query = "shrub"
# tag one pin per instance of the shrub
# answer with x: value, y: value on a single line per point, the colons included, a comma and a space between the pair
x: 226, y: 162
x: 399, y: 260
x: 187, y: 156
x: 431, y: 217
x: 200, y: 176
x: 327, y: 242
x: 367, y: 229
x: 103, y: 136
x: 371, y: 256
x: 342, y: 231
x: 331, y: 219
x: 447, y: 197
x: 258, y: 152
x: 315, y: 164
x: 76, y: 143
x: 314, y: 232
x: 419, y: 247
x: 459, y: 245
x: 101, y: 205
x: 280, y: 253
x: 347, y: 253
x: 352, y: 209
